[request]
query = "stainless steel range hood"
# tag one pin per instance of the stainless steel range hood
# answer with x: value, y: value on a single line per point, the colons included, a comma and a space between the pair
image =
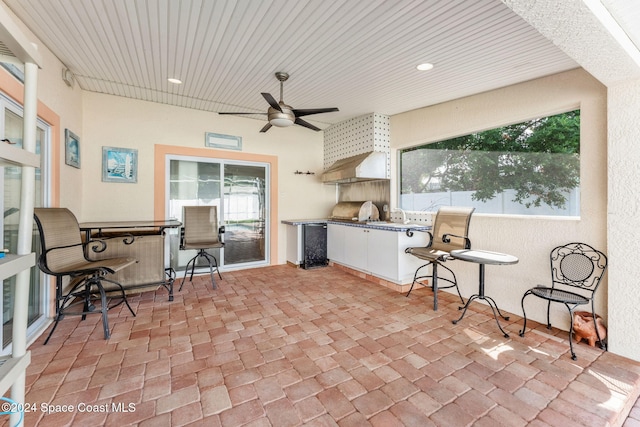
x: 363, y: 167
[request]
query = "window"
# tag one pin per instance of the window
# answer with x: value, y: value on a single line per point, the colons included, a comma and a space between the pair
x: 528, y: 168
x: 11, y: 127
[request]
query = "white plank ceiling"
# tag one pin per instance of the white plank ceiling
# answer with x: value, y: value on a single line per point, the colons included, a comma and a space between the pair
x: 359, y: 56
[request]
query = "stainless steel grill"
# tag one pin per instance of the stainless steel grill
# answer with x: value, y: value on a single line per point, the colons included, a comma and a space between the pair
x: 362, y: 211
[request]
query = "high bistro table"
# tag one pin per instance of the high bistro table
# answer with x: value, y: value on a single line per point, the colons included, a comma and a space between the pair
x: 483, y: 258
x: 142, y: 240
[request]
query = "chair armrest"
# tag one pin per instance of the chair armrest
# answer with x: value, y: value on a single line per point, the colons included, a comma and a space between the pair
x: 42, y: 259
x: 430, y: 238
x: 96, y: 248
x: 181, y: 238
x: 408, y: 250
x: 446, y: 238
x: 99, y: 246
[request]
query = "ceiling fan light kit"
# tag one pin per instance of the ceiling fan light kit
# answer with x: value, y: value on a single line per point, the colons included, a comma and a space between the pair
x: 280, y: 114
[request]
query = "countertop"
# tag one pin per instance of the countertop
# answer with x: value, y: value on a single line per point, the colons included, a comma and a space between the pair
x: 378, y: 225
x: 303, y: 221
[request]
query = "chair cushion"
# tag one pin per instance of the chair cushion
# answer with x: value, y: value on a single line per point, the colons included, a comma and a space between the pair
x: 559, y: 295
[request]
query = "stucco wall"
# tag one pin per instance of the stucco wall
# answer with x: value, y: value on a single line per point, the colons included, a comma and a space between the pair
x: 529, y: 238
x: 121, y: 122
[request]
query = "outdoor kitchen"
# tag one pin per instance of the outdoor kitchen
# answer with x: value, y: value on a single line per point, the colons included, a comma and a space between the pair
x: 363, y: 234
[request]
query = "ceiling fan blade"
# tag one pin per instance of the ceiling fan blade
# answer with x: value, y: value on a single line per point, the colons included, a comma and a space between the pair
x: 272, y: 101
x: 306, y: 124
x: 228, y: 112
x: 308, y: 111
x: 266, y: 127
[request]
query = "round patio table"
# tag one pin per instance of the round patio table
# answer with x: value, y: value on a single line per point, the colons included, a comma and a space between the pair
x: 483, y: 258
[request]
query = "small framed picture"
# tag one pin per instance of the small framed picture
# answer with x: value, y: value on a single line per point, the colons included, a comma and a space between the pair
x: 71, y: 149
x: 119, y: 165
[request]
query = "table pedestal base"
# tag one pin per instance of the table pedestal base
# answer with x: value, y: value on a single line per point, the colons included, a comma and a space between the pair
x: 494, y: 308
x: 489, y: 300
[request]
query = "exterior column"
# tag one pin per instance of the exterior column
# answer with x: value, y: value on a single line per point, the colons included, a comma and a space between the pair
x: 623, y: 218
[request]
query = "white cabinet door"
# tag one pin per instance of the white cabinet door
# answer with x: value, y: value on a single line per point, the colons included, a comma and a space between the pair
x: 335, y: 243
x: 382, y: 259
x: 377, y: 252
x: 355, y: 247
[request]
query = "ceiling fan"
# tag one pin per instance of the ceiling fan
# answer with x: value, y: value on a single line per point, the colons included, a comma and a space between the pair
x: 282, y: 115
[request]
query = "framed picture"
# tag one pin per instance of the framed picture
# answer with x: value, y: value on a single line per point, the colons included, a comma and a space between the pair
x: 218, y: 140
x: 119, y: 165
x: 71, y: 149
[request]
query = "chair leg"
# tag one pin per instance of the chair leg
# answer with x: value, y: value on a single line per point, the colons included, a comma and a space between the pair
x: 171, y: 278
x: 573, y: 355
x: 434, y: 281
x: 454, y: 282
x: 186, y: 270
x: 104, y: 309
x: 60, y: 306
x: 213, y: 265
x: 87, y: 305
x: 434, y: 285
x: 59, y: 316
x: 416, y: 277
x: 524, y: 314
x: 123, y: 296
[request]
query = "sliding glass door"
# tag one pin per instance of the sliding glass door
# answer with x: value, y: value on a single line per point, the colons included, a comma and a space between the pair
x: 239, y: 191
x: 245, y: 214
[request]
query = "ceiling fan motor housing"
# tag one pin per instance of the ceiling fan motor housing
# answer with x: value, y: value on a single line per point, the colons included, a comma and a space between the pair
x: 282, y: 118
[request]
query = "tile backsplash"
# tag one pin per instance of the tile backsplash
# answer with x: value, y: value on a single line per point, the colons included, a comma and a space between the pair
x: 422, y: 218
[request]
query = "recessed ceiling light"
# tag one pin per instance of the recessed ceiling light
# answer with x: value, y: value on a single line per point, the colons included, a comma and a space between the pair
x: 424, y: 67
x: 175, y: 81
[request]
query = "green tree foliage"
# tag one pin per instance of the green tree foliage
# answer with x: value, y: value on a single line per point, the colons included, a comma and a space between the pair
x: 539, y: 159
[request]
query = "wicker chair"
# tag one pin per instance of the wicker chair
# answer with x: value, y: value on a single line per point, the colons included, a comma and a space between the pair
x: 64, y: 255
x: 576, y: 272
x: 450, y: 232
x: 200, y: 231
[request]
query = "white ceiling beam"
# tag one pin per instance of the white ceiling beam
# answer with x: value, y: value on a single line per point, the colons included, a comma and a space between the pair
x: 14, y: 39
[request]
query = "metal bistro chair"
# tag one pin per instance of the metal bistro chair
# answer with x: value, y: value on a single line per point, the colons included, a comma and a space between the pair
x: 200, y: 231
x: 64, y: 255
x: 575, y: 266
x: 450, y: 232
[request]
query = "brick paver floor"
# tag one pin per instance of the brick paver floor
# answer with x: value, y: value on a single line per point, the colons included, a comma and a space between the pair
x: 280, y: 346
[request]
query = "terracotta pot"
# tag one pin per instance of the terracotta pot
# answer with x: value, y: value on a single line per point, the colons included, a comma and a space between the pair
x: 583, y: 327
